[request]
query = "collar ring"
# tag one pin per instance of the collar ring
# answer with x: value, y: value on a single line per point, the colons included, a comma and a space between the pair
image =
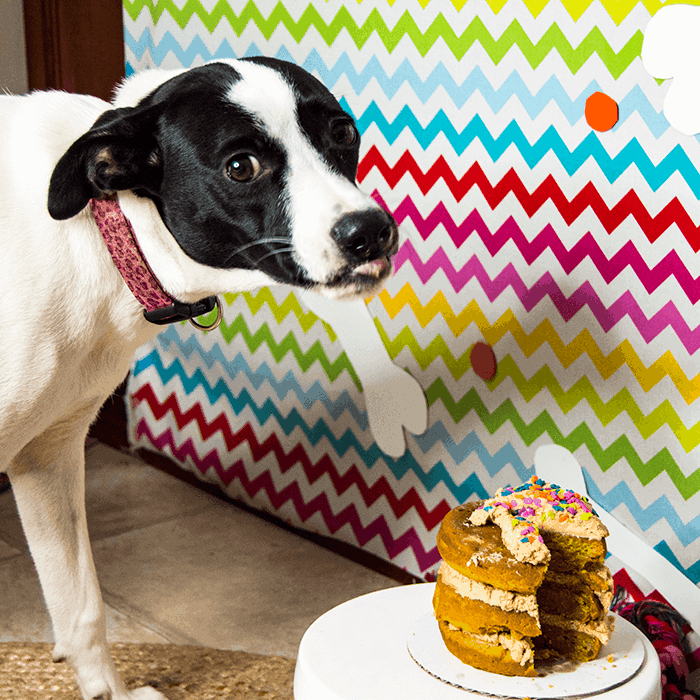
x: 215, y: 323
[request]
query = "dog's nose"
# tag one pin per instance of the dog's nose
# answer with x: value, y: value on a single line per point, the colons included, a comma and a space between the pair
x: 366, y: 235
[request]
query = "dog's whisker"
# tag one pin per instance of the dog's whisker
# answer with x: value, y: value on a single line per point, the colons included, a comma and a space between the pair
x: 275, y: 252
x: 271, y: 239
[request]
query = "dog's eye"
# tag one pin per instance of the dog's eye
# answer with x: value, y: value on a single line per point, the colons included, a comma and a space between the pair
x: 344, y: 133
x: 243, y: 168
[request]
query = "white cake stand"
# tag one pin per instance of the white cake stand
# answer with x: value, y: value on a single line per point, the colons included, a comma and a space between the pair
x: 360, y: 651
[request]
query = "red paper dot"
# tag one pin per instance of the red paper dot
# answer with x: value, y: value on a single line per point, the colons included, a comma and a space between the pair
x: 601, y: 111
x: 483, y: 361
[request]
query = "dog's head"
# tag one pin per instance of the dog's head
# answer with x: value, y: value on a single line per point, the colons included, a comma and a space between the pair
x: 251, y: 165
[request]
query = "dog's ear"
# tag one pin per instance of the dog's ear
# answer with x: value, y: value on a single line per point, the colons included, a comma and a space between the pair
x: 120, y: 152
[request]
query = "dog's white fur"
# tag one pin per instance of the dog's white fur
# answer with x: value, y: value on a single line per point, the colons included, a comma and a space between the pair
x: 69, y: 329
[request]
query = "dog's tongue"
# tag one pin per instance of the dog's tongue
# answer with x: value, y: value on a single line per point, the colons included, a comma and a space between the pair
x: 373, y: 268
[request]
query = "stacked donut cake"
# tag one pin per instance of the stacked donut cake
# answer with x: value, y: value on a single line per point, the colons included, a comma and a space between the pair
x: 523, y: 578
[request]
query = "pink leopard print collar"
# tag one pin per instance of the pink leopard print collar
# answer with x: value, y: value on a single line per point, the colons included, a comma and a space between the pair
x: 159, y: 306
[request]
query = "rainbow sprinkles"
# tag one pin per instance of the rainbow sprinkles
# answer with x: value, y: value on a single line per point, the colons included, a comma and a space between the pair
x: 524, y: 512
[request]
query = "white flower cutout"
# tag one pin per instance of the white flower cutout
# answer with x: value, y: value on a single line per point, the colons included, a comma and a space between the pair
x: 671, y: 49
x: 393, y: 398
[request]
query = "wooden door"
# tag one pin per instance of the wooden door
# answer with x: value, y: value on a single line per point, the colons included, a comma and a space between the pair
x: 73, y: 45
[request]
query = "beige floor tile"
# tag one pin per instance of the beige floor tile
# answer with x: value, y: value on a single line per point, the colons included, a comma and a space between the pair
x: 123, y: 628
x: 225, y: 578
x: 23, y: 615
x: 177, y: 565
x: 122, y: 493
x: 7, y: 551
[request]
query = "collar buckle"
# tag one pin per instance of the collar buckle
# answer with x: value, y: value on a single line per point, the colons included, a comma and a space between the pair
x: 180, y: 311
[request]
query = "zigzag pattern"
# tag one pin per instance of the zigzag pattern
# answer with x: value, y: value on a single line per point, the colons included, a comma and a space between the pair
x: 543, y: 424
x: 546, y: 286
x: 288, y: 345
x: 630, y: 205
x: 660, y: 509
x: 261, y: 375
x: 263, y: 297
x: 566, y: 353
x: 440, y: 30
x: 544, y: 378
x: 297, y: 455
x: 671, y: 266
x: 369, y: 457
x: 692, y: 572
x: 529, y: 343
x: 492, y: 420
x: 527, y: 78
x: 287, y: 459
x: 550, y: 143
x: 582, y: 390
x: 553, y: 40
x: 635, y: 102
x: 617, y: 11
x: 440, y: 78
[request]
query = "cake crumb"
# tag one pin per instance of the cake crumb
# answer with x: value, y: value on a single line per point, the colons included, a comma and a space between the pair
x: 611, y: 658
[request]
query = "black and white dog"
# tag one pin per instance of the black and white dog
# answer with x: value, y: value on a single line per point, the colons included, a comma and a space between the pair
x: 232, y: 175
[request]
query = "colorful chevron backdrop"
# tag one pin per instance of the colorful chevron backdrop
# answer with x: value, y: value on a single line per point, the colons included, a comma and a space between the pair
x: 573, y: 253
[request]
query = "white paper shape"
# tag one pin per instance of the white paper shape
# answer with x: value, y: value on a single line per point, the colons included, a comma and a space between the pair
x: 393, y: 398
x: 671, y: 49
x: 557, y: 465
x: 625, y: 649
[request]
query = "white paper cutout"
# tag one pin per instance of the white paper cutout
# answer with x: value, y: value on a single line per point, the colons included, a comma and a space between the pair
x: 393, y: 398
x: 557, y: 465
x: 671, y: 49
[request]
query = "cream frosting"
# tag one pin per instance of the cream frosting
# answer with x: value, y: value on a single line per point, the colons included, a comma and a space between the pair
x: 521, y: 650
x: 475, y: 590
x: 525, y: 511
x: 601, y: 629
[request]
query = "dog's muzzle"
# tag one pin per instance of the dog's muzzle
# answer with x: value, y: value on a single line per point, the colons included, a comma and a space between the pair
x: 367, y: 239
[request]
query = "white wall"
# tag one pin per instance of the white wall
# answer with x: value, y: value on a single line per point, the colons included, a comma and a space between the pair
x: 13, y: 62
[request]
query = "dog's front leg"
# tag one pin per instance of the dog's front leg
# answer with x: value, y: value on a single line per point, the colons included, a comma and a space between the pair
x: 49, y: 487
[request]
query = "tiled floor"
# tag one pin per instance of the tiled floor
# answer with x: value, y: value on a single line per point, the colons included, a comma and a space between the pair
x: 177, y: 565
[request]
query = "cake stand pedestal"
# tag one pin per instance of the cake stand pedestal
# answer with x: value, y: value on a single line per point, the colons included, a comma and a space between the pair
x: 358, y: 651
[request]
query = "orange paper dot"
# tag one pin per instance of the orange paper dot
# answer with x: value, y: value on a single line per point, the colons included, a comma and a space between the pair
x: 602, y: 112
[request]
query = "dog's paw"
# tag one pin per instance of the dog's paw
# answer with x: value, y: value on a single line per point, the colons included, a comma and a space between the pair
x: 395, y: 400
x: 671, y: 50
x: 146, y: 693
